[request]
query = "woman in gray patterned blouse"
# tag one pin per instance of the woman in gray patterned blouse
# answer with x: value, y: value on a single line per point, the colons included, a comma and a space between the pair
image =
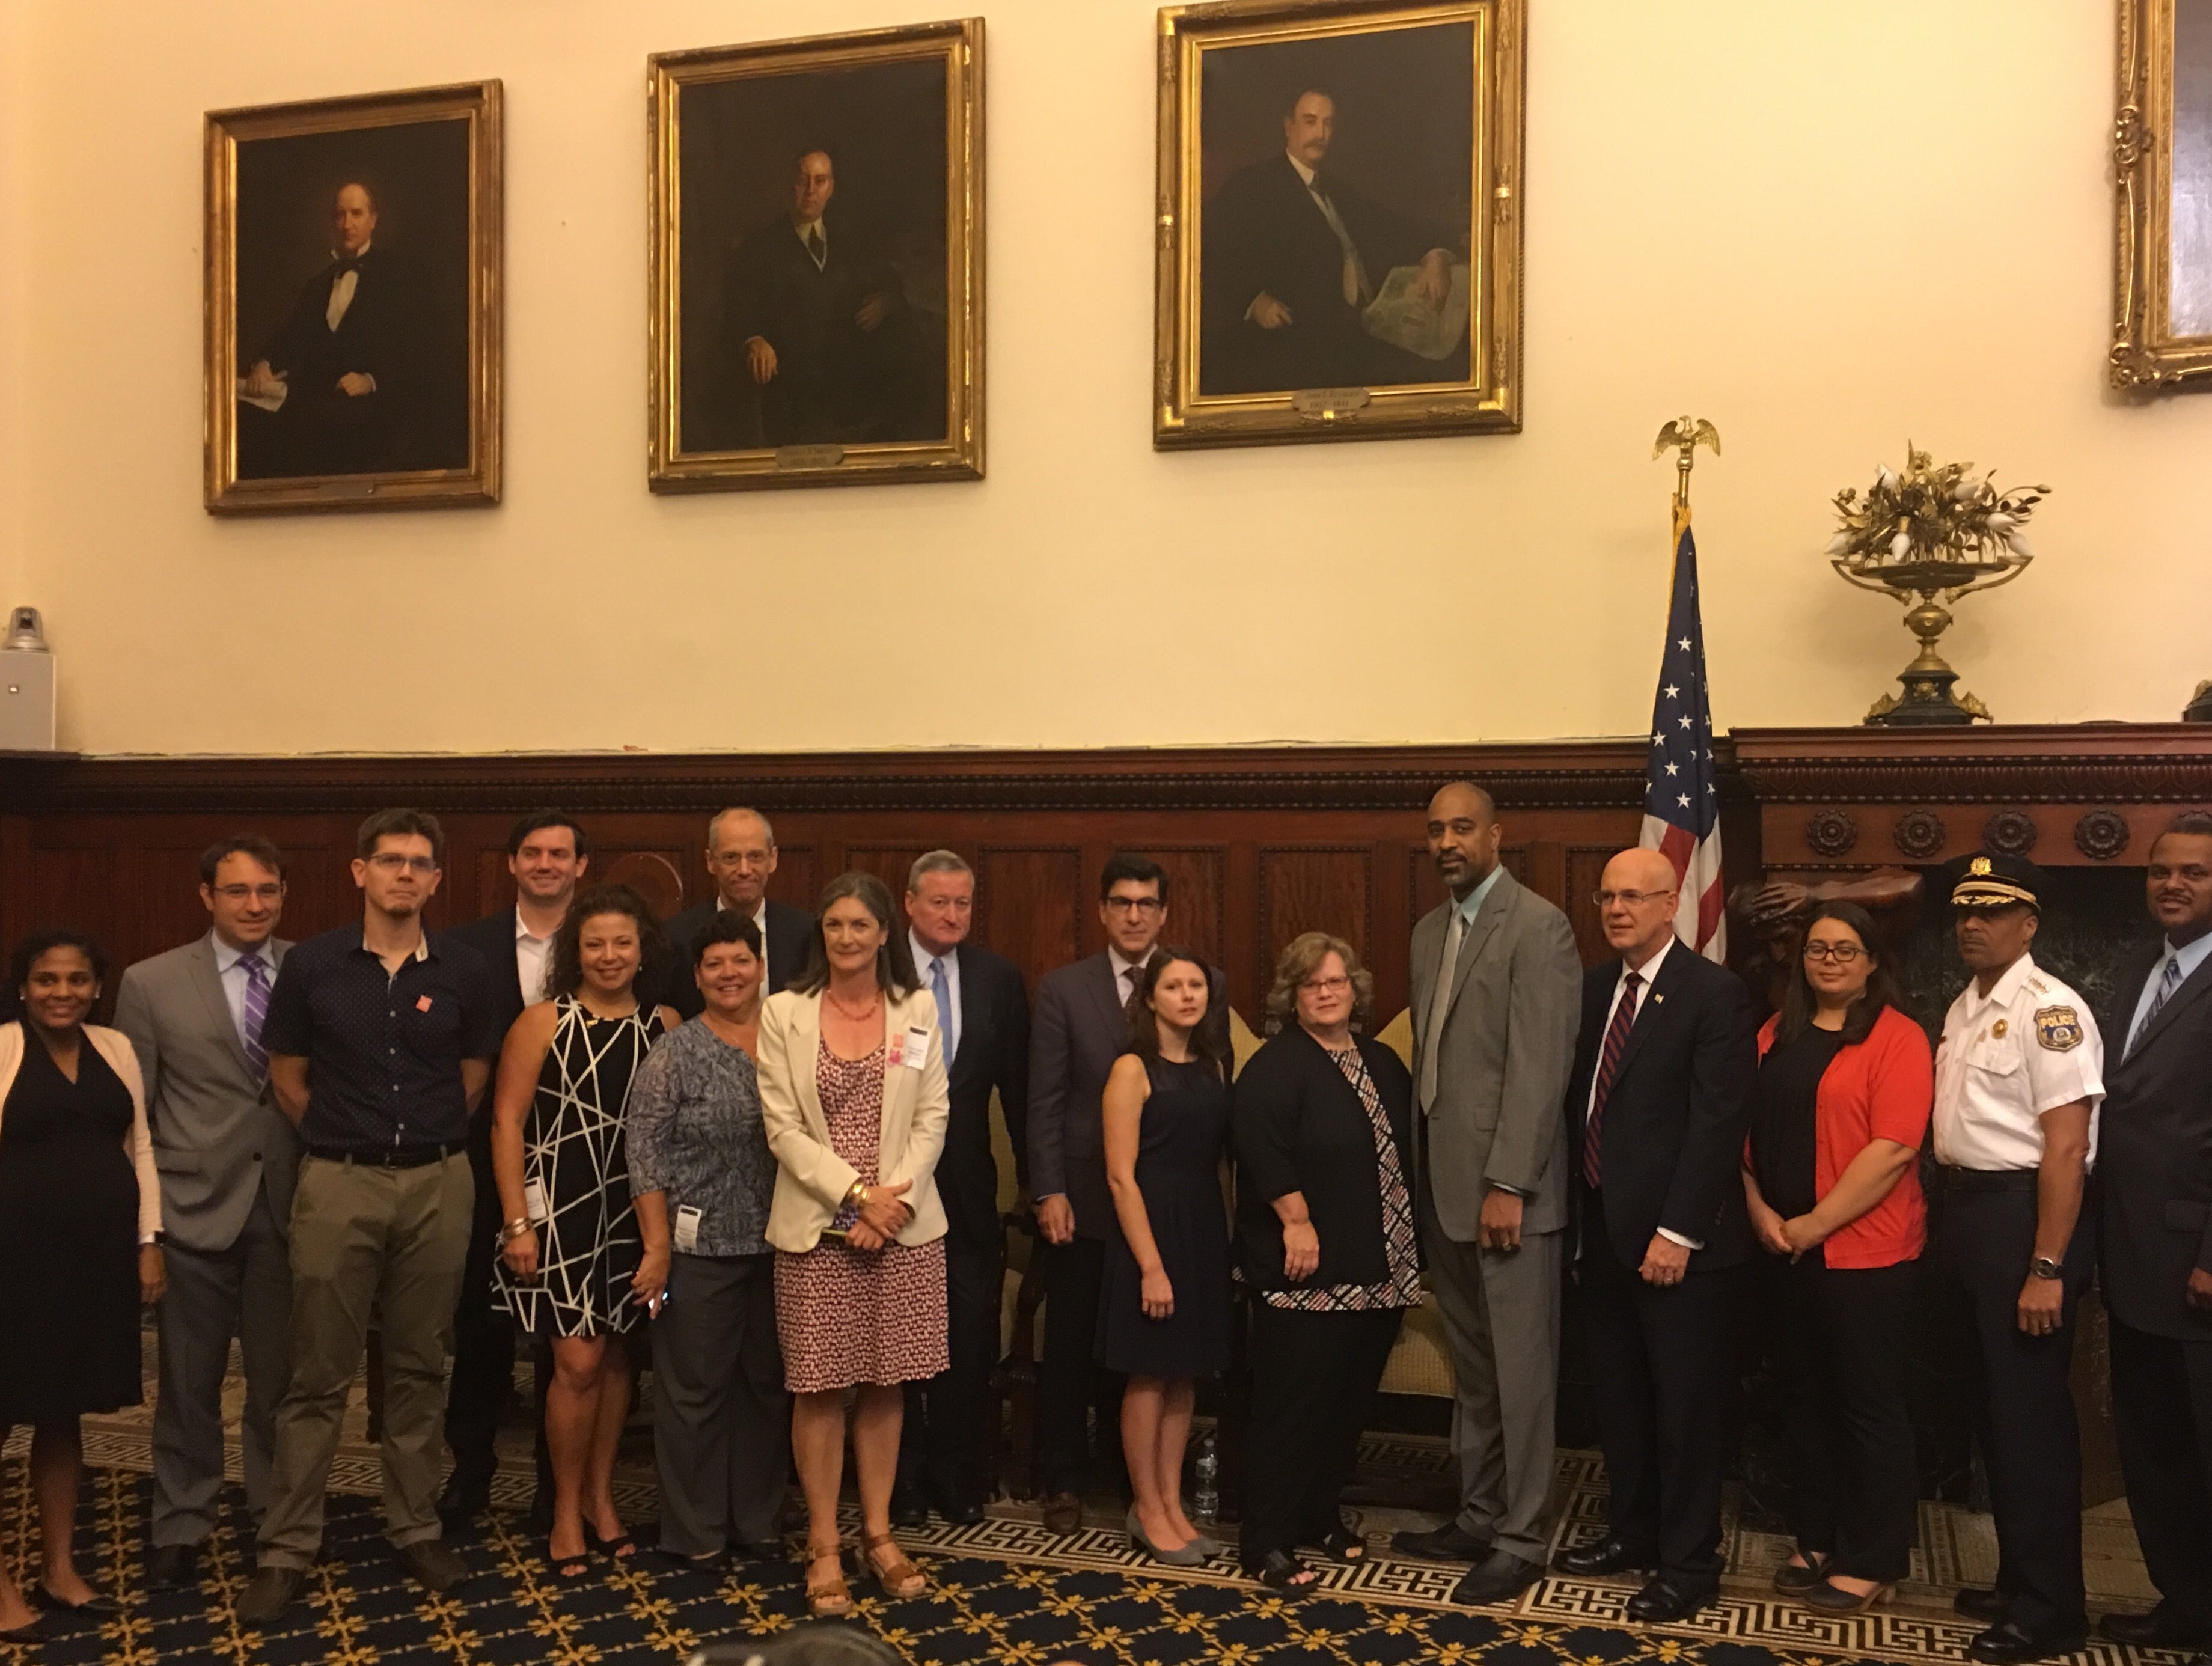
x: 702, y: 1177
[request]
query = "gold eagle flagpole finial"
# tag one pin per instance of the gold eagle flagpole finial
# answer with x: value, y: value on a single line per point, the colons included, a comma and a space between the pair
x: 1685, y: 434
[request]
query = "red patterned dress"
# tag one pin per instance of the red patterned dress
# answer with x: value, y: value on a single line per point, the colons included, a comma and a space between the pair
x: 848, y: 1316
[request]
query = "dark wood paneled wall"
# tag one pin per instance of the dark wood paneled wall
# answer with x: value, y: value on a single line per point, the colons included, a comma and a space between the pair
x: 1258, y: 845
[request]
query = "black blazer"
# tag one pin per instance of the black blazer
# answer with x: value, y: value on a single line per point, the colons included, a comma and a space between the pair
x: 1078, y: 1030
x: 2154, y: 1155
x: 492, y: 938
x: 994, y: 1053
x: 1300, y: 1128
x: 1672, y: 1138
x: 790, y: 943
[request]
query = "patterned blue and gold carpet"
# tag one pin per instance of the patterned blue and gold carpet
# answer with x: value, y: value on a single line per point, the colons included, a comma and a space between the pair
x: 1002, y: 1590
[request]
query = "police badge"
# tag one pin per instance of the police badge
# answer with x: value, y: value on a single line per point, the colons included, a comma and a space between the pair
x: 2058, y: 1028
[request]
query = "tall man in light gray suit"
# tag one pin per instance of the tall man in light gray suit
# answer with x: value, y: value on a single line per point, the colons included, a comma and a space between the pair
x: 1497, y: 987
x: 227, y: 1157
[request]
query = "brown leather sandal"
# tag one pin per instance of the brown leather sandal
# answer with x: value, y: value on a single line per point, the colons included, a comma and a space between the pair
x: 900, y: 1579
x: 830, y: 1598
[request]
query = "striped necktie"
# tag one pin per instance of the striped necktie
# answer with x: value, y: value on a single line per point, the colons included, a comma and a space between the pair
x: 1616, y: 1038
x: 2168, y: 981
x: 257, y: 1013
x: 938, y: 987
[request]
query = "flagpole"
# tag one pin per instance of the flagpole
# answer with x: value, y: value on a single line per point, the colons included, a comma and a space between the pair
x: 1685, y: 434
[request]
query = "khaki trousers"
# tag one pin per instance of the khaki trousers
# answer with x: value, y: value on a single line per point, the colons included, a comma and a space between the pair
x: 363, y: 1237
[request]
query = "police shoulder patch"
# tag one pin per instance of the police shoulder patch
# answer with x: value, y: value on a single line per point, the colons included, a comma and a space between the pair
x: 2058, y: 1028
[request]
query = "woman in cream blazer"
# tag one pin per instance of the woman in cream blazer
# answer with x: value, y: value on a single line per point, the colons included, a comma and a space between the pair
x: 70, y: 1285
x: 852, y: 1101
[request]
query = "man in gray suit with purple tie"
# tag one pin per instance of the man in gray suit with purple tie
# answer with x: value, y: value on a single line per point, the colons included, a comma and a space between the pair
x: 227, y: 1157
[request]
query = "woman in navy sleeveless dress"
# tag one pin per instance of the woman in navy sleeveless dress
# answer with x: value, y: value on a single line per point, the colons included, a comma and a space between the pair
x: 1163, y: 1309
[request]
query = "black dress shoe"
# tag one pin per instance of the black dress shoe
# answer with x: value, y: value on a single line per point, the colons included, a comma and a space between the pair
x: 168, y: 1566
x: 1608, y: 1555
x: 2007, y: 1644
x: 1663, y: 1602
x: 909, y: 1507
x: 959, y: 1508
x: 2161, y: 1628
x: 434, y: 1565
x: 1500, y: 1579
x: 268, y: 1594
x: 1449, y: 1543
x: 1972, y: 1602
x: 95, y: 1604
x: 1063, y: 1512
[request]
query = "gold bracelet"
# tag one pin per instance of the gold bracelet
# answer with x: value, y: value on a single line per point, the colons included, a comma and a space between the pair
x: 858, y: 1197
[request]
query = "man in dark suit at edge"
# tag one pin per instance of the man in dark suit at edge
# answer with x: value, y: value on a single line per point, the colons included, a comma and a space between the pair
x: 547, y: 855
x: 1659, y: 1103
x: 983, y: 1012
x: 2155, y: 1227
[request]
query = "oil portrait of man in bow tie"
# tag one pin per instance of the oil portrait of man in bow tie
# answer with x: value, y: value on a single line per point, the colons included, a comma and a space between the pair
x: 354, y: 268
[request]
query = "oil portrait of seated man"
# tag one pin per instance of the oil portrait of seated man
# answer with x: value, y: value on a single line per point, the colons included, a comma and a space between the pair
x: 1335, y: 212
x: 353, y: 299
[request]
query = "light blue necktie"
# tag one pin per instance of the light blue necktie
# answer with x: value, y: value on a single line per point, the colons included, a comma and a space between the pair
x: 2169, y: 980
x: 945, y: 1015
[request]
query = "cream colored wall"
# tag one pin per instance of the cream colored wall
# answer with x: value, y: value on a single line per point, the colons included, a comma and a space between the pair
x: 1826, y: 227
x: 14, y: 267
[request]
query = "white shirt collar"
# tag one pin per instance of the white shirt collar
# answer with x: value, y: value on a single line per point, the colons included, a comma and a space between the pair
x: 1123, y: 968
x: 923, y: 957
x: 2001, y: 993
x: 226, y: 957
x: 1305, y: 173
x: 814, y: 227
x: 524, y: 935
x: 1650, y: 970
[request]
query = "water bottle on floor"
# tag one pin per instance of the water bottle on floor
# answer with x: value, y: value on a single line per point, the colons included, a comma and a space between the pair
x: 1206, y: 1503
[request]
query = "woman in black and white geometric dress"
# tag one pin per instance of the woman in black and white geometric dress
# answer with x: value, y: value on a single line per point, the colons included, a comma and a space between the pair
x: 572, y: 1264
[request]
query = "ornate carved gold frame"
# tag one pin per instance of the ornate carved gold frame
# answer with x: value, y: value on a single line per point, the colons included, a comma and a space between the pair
x: 959, y: 456
x: 478, y: 104
x: 2147, y: 355
x: 1489, y: 400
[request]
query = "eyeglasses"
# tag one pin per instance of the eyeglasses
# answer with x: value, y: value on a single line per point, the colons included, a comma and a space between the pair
x: 392, y: 862
x: 1634, y: 899
x: 258, y: 893
x: 1133, y: 905
x: 1842, y: 953
x: 1326, y: 986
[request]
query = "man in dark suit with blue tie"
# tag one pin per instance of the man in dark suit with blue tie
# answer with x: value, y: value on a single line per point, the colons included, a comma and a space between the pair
x: 2154, y: 1230
x: 1659, y: 1104
x: 983, y: 1012
x: 227, y: 1158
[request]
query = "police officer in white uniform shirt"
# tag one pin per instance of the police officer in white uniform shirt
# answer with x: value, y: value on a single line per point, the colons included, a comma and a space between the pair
x: 2018, y: 1079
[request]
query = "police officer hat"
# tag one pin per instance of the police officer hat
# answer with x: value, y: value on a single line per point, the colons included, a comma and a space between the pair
x: 1996, y: 882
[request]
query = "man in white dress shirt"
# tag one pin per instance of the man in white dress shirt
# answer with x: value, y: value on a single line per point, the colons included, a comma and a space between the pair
x: 227, y: 1157
x: 741, y: 859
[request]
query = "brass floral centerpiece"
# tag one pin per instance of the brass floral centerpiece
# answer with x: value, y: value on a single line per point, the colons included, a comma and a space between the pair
x: 1933, y: 533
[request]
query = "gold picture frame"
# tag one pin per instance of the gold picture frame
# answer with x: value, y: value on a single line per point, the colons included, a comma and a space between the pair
x: 2162, y: 300
x: 1368, y: 342
x: 353, y: 302
x: 827, y: 192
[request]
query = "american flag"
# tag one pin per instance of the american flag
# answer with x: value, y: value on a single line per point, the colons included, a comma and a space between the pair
x: 1681, y: 807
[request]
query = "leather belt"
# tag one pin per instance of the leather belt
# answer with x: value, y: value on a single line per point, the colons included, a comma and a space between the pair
x: 1989, y: 1180
x: 391, y: 1156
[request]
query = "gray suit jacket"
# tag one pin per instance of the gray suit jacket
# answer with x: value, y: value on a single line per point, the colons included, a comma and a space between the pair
x: 218, y: 1136
x: 1507, y: 1045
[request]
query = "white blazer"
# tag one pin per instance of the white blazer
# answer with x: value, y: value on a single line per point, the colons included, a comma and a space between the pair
x: 811, y: 1180
x: 114, y: 1046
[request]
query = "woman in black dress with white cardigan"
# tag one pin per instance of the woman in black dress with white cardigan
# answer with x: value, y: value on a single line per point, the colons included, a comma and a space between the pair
x: 1164, y: 1312
x: 80, y: 1220
x: 1325, y: 1224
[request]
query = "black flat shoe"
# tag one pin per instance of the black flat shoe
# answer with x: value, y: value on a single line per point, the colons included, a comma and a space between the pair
x: 1346, y: 1545
x: 2007, y: 1643
x: 168, y: 1566
x: 959, y: 1508
x: 1284, y: 1573
x: 97, y: 1603
x: 1608, y: 1555
x: 1663, y: 1602
x: 1830, y: 1598
x: 1792, y: 1580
